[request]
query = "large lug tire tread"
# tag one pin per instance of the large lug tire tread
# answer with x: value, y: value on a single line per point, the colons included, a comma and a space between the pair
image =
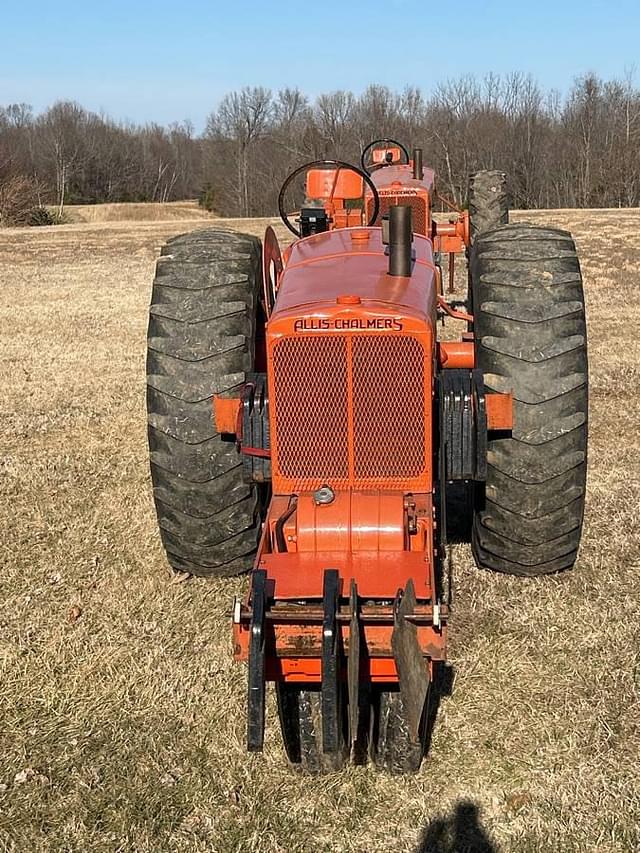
x: 200, y: 343
x: 393, y: 750
x: 531, y: 339
x: 488, y: 202
x: 300, y: 713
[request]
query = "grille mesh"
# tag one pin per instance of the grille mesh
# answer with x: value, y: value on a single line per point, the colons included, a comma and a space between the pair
x: 388, y: 407
x: 311, y: 407
x: 416, y: 203
x: 312, y: 385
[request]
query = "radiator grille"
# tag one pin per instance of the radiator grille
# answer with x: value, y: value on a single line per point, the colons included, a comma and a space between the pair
x: 388, y: 407
x: 416, y: 203
x: 319, y: 380
x: 310, y: 383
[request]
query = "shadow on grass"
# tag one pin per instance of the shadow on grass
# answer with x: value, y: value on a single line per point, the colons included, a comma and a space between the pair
x: 441, y: 687
x: 460, y: 832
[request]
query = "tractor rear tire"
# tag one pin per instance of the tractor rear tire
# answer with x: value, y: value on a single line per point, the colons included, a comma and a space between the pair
x: 202, y: 324
x: 531, y: 339
x: 488, y: 202
x: 300, y: 712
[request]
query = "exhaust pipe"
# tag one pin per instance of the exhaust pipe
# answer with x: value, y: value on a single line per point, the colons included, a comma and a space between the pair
x: 400, y: 240
x: 418, y: 171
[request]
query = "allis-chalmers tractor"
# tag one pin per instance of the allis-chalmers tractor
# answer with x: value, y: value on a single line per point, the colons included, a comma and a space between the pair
x: 306, y: 421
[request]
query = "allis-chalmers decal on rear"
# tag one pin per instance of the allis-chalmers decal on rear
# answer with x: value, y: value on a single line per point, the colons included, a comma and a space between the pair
x: 341, y: 323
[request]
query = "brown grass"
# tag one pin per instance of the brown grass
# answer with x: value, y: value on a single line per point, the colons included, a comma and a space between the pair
x: 135, y: 212
x: 122, y: 714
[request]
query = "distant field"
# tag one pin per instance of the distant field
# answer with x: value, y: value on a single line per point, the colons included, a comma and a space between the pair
x: 122, y: 722
x: 135, y: 212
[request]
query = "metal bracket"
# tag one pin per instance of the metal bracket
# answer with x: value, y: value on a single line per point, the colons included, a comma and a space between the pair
x: 413, y: 674
x: 256, y: 696
x: 482, y: 425
x: 271, y: 269
x: 330, y: 662
x: 254, y: 435
x: 463, y: 424
x: 353, y: 663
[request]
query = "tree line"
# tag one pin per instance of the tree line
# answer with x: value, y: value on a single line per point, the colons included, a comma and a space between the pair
x: 70, y: 155
x: 580, y: 150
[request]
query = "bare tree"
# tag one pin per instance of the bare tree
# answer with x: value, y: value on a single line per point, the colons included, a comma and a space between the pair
x: 63, y: 140
x: 242, y: 118
x: 334, y: 118
x: 580, y: 150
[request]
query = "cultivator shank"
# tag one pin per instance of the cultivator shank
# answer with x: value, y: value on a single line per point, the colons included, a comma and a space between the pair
x: 342, y: 637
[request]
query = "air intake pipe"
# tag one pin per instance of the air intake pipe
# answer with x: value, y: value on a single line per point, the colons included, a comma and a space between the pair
x: 400, y: 240
x: 418, y: 171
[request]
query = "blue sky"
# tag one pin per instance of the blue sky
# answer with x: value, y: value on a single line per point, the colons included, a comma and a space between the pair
x: 164, y: 61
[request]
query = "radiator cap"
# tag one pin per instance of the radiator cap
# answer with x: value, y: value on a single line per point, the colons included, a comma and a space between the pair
x: 348, y: 299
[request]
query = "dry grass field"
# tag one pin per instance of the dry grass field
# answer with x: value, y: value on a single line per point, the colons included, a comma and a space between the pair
x: 121, y: 712
x: 135, y: 212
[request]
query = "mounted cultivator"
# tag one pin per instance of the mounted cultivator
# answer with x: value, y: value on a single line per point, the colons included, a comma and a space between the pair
x: 300, y: 400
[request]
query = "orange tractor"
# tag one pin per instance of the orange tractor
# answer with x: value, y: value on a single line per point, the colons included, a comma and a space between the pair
x: 306, y: 421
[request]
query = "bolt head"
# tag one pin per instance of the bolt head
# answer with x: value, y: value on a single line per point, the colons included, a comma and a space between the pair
x: 324, y: 495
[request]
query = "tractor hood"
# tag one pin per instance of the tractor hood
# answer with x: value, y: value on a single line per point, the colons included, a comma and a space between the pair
x: 343, y: 273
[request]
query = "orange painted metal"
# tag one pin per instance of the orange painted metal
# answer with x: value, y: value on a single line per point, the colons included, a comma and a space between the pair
x: 272, y: 266
x: 354, y: 521
x: 359, y: 236
x: 306, y: 670
x: 294, y: 628
x: 443, y: 305
x: 279, y: 508
x: 453, y: 236
x: 367, y: 521
x: 377, y: 562
x: 499, y: 411
x: 307, y: 640
x: 456, y: 354
x: 226, y: 411
x: 333, y: 184
x: 293, y: 650
x: 379, y: 155
x: 351, y: 354
x: 439, y: 280
x: 320, y: 268
x: 351, y: 381
x: 379, y: 574
x: 396, y: 185
x: 400, y: 175
x: 343, y: 218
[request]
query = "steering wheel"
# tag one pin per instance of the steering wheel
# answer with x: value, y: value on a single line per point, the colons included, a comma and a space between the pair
x: 368, y: 168
x: 339, y: 165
